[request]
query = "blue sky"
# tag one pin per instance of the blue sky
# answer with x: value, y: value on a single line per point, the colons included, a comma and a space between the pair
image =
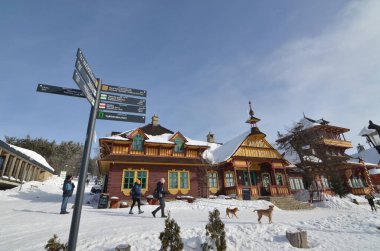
x: 200, y: 61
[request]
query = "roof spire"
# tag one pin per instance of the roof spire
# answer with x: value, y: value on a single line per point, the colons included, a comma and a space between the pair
x: 253, y: 120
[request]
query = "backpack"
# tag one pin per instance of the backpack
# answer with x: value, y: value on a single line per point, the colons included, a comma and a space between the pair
x: 133, y: 192
x: 155, y: 193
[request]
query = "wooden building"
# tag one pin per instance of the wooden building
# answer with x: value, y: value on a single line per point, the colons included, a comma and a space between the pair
x: 247, y: 166
x: 323, y: 149
x: 19, y: 164
x: 149, y: 153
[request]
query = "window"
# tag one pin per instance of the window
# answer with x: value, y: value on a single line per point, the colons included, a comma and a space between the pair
x: 137, y: 144
x: 301, y: 183
x: 325, y: 182
x: 213, y: 180
x: 184, y: 180
x: 129, y: 178
x: 266, y: 180
x: 291, y: 181
x: 297, y: 184
x: 173, y: 180
x: 229, y: 179
x: 142, y: 176
x: 253, y: 178
x: 245, y: 178
x: 179, y: 145
x: 179, y: 180
x: 279, y: 179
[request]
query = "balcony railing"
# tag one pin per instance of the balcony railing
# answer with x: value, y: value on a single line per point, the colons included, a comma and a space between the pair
x: 336, y: 142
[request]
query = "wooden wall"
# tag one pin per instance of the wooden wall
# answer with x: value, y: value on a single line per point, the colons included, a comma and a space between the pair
x: 155, y: 173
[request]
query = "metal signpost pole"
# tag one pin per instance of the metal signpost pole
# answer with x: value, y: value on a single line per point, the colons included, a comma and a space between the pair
x: 83, y: 172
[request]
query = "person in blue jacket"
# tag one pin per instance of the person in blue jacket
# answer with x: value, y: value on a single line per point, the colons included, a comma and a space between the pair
x: 136, y: 196
x: 68, y: 189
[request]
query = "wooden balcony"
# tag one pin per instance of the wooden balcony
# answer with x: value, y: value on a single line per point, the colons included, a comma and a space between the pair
x: 336, y: 142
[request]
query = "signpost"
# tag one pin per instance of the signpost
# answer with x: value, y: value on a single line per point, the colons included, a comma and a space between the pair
x: 122, y: 108
x: 122, y: 99
x: 84, y: 87
x: 120, y: 117
x: 124, y: 90
x: 60, y: 90
x: 92, y: 89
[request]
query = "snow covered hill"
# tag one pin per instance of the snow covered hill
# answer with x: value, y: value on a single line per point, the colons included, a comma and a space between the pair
x: 30, y: 216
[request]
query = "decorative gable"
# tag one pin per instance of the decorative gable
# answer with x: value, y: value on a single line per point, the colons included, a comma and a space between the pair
x: 255, y: 146
x: 136, y: 132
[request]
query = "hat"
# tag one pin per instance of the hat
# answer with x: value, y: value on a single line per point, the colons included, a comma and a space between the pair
x: 138, y: 181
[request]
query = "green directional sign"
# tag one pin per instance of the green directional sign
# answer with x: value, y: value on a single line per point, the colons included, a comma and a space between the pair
x: 120, y: 117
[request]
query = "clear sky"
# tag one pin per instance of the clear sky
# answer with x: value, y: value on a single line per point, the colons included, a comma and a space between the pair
x: 200, y: 61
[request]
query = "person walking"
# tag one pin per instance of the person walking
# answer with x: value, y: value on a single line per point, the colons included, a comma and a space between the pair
x: 161, y: 197
x: 370, y: 199
x: 136, y: 196
x: 68, y: 189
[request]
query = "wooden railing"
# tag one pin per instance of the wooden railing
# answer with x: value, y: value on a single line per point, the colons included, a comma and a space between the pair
x: 279, y: 190
x: 360, y: 190
x: 336, y: 142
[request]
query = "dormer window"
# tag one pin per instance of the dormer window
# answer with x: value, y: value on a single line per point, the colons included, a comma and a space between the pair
x: 179, y: 145
x: 137, y: 144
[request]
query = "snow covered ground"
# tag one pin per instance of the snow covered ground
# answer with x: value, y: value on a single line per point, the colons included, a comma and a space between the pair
x: 30, y: 216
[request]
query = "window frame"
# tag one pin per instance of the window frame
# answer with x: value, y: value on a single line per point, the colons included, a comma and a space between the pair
x: 127, y: 191
x: 228, y: 176
x: 178, y: 177
x: 138, y: 143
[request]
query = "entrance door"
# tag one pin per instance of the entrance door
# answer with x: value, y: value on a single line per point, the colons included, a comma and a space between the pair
x: 265, y: 190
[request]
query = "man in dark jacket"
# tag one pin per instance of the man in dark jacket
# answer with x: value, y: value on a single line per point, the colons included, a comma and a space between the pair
x: 136, y: 196
x: 161, y: 197
x: 370, y: 199
x: 68, y: 188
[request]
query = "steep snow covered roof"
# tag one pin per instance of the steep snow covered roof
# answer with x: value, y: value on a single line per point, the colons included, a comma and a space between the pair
x: 163, y: 139
x: 28, y: 154
x: 220, y: 153
x: 370, y: 156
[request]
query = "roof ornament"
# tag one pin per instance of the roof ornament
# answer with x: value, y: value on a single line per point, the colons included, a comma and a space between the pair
x: 252, y: 120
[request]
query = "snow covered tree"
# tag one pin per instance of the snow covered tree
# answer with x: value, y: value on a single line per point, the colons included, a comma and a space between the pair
x: 215, y: 234
x: 170, y: 237
x: 54, y: 244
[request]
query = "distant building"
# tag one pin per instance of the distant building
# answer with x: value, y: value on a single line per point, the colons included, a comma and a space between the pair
x: 19, y: 164
x: 323, y: 156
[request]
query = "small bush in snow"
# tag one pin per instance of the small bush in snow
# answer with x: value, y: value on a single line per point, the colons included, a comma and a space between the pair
x: 54, y: 244
x: 215, y: 234
x: 170, y: 237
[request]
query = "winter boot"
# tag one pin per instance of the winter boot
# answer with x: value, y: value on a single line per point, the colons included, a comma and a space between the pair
x: 141, y: 211
x: 130, y: 211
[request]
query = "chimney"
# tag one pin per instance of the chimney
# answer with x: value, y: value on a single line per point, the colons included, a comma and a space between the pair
x: 155, y: 120
x: 210, y: 138
x: 360, y: 148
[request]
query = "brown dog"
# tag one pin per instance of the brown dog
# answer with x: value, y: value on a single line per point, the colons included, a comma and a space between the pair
x: 232, y: 211
x: 267, y: 212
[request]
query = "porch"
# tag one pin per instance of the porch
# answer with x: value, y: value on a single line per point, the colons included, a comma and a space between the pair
x: 255, y: 191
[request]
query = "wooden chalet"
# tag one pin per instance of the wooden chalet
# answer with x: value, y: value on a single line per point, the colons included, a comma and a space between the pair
x: 150, y: 153
x: 328, y: 141
x: 247, y: 166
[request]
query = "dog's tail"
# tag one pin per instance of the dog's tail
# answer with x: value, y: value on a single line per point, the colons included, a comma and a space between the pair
x: 255, y: 210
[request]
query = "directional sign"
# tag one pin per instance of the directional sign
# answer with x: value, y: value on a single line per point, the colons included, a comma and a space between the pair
x: 122, y: 99
x: 83, y: 60
x: 85, y: 76
x: 123, y: 90
x: 60, y: 90
x: 83, y: 86
x: 120, y: 117
x: 122, y: 108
